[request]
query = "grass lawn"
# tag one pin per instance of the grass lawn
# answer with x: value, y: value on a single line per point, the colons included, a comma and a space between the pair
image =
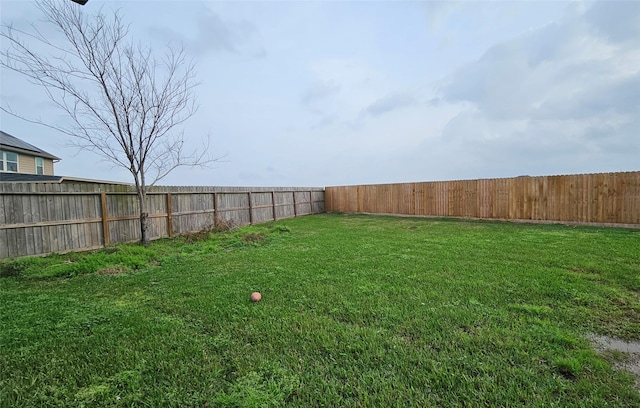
x: 356, y: 311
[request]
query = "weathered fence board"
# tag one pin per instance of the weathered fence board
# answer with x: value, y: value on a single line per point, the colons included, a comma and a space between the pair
x: 606, y: 199
x: 41, y: 218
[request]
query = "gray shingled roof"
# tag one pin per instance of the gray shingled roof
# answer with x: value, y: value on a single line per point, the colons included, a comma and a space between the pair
x: 14, y: 177
x: 37, y: 178
x: 13, y: 143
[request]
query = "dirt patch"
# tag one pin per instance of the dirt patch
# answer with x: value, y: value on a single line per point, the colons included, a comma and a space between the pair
x: 197, y: 236
x: 111, y: 270
x: 624, y: 355
x: 253, y: 238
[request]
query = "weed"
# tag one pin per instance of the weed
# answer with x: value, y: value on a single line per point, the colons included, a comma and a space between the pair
x: 223, y: 224
x: 111, y: 270
x: 568, y: 368
x: 252, y: 238
x: 281, y: 229
x: 202, y: 235
x: 11, y: 268
x: 122, y: 257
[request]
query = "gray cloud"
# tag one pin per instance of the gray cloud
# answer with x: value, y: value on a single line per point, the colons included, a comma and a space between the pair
x: 320, y: 91
x: 212, y: 34
x: 618, y: 21
x: 550, y: 74
x: 434, y: 102
x: 437, y: 12
x: 324, y: 122
x: 560, y: 99
x: 620, y: 95
x: 471, y: 144
x: 391, y: 102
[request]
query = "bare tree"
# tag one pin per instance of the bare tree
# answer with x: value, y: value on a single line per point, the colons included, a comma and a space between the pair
x: 124, y: 104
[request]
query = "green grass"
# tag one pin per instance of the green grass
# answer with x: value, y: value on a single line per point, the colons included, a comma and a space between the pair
x: 356, y: 311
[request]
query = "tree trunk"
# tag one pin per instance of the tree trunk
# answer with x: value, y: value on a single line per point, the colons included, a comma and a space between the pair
x: 143, y: 228
x: 144, y: 217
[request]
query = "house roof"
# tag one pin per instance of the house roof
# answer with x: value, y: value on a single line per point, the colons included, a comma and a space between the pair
x: 13, y: 177
x: 37, y: 178
x: 13, y: 143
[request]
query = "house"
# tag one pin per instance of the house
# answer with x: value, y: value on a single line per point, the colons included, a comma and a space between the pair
x: 24, y: 163
x: 18, y: 157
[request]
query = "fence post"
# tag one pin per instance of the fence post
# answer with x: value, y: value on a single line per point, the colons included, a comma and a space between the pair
x: 311, y: 202
x: 273, y: 202
x: 250, y: 209
x: 415, y: 199
x: 215, y: 209
x: 169, y: 216
x: 105, y: 224
x: 295, y: 211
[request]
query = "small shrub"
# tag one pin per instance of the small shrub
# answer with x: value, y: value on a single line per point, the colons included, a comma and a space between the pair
x: 134, y: 256
x: 198, y: 236
x: 70, y: 268
x: 11, y: 268
x: 281, y: 229
x: 223, y: 225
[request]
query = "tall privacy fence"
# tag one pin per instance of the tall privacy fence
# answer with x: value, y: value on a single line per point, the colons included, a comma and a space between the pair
x: 42, y: 218
x: 606, y: 199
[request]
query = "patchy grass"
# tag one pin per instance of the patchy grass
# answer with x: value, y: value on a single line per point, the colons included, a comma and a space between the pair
x: 123, y: 257
x: 356, y: 311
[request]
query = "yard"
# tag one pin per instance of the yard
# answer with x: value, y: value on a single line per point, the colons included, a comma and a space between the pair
x: 357, y: 311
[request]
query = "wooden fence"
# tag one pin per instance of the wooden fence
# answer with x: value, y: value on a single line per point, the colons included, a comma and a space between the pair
x: 605, y: 199
x: 42, y: 218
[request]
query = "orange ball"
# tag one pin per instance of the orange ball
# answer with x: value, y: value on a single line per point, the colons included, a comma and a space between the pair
x: 256, y: 297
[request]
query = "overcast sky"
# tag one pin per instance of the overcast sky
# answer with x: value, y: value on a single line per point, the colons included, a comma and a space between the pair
x: 333, y: 93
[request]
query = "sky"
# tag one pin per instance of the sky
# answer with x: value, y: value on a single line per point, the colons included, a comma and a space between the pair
x: 301, y: 93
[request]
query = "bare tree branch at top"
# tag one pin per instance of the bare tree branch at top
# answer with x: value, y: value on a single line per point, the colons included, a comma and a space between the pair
x: 124, y: 103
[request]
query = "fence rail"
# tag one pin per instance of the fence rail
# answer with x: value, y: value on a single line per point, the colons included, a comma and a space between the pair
x: 41, y: 218
x: 605, y: 198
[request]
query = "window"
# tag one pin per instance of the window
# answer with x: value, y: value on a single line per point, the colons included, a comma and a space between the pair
x: 9, y: 161
x: 39, y: 166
